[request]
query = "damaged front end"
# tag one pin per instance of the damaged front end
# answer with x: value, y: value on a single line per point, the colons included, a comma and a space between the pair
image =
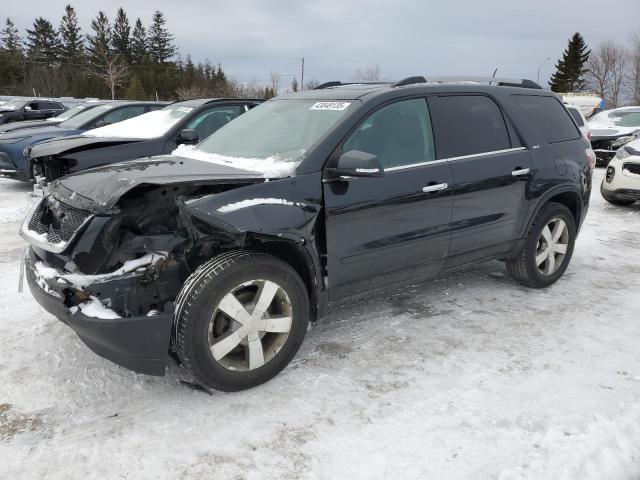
x: 111, y: 271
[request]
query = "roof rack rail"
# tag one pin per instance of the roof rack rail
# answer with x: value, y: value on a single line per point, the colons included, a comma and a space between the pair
x: 410, y: 81
x: 336, y: 83
x: 504, y: 82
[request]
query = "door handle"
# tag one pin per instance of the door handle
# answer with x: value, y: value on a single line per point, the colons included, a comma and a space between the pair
x: 520, y: 171
x: 435, y: 188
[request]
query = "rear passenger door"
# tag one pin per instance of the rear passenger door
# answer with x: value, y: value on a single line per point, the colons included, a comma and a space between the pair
x: 491, y: 172
x: 388, y: 230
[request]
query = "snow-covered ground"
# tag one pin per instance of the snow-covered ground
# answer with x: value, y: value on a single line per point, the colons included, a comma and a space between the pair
x: 470, y: 376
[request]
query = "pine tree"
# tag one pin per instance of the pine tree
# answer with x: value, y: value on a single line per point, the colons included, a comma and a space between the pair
x: 71, y: 40
x: 10, y: 39
x: 99, y: 43
x: 294, y: 85
x: 570, y: 70
x: 139, y: 44
x: 43, y: 43
x: 135, y: 90
x: 161, y: 47
x: 121, y: 40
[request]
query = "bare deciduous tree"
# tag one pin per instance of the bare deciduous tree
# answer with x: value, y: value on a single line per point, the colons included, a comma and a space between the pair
x: 191, y: 92
x: 113, y: 71
x: 606, y: 71
x: 634, y: 69
x: 368, y: 74
x: 275, y: 82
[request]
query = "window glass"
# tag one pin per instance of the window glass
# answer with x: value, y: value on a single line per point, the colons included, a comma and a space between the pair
x: 549, y: 117
x: 123, y: 114
x: 468, y: 125
x: 576, y: 116
x: 398, y: 134
x: 211, y: 120
x: 34, y: 105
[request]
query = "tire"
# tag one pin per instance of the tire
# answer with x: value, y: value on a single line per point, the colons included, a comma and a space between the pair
x: 524, y: 267
x: 613, y: 200
x: 202, y: 322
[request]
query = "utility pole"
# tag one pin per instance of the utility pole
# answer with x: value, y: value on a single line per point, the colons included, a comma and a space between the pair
x: 539, y: 67
x: 302, y: 76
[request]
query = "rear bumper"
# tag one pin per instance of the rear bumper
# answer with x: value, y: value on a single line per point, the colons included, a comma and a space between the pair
x: 138, y: 343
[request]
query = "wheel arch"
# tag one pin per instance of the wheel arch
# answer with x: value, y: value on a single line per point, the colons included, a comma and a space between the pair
x: 569, y: 197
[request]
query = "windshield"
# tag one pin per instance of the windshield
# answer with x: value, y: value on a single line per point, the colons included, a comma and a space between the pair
x: 13, y: 105
x: 79, y: 120
x: 617, y: 118
x: 67, y: 114
x: 271, y: 138
x: 149, y: 125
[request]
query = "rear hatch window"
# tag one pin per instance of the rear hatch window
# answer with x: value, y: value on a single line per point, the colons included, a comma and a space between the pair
x: 549, y: 117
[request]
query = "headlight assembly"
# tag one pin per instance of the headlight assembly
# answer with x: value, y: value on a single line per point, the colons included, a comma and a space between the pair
x: 622, y: 153
x: 618, y: 142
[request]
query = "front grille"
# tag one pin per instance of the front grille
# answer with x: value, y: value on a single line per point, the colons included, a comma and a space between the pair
x: 632, y: 168
x: 57, y: 220
x: 602, y: 144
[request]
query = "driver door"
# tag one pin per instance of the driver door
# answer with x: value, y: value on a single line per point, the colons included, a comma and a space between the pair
x: 394, y: 229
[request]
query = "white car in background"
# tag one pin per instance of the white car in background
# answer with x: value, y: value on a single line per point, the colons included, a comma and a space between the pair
x: 580, y: 119
x: 621, y: 185
x: 612, y: 129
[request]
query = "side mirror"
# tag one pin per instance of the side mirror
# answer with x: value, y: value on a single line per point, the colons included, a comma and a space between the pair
x: 355, y: 163
x: 188, y: 136
x: 27, y: 108
x: 101, y: 123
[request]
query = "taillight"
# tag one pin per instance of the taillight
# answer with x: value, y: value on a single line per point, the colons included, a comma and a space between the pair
x: 591, y: 158
x: 589, y: 135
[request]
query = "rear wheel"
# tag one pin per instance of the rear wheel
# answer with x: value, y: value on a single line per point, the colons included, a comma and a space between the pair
x: 241, y: 318
x: 547, y: 249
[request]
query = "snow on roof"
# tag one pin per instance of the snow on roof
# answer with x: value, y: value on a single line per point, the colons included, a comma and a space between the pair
x: 148, y: 125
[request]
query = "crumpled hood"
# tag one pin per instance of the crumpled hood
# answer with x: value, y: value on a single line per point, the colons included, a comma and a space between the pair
x: 611, y: 132
x: 37, y: 132
x: 99, y: 189
x: 57, y: 146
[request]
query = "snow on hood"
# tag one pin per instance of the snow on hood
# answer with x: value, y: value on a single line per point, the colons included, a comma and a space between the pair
x: 149, y: 125
x: 270, y: 167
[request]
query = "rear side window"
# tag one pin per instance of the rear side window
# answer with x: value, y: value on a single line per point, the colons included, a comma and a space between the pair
x: 549, y: 117
x: 576, y: 116
x: 467, y: 125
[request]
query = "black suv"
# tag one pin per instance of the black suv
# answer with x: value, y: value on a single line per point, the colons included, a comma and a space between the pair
x: 154, y: 133
x: 20, y: 110
x: 221, y: 253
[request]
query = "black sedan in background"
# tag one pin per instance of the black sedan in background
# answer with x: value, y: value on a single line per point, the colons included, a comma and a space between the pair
x: 58, y: 119
x: 35, y: 109
x: 154, y: 133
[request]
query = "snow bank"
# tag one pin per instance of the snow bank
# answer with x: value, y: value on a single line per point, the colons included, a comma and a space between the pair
x: 149, y: 125
x: 270, y: 167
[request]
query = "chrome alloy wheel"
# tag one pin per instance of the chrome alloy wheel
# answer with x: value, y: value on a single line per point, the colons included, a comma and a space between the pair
x: 552, y: 246
x: 250, y: 325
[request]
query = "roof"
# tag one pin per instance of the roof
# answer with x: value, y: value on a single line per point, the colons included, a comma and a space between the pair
x: 197, y: 102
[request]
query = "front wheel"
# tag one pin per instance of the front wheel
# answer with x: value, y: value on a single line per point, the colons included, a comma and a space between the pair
x: 240, y: 319
x: 547, y: 249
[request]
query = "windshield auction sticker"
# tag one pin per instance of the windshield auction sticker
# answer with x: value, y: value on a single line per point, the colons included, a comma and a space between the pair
x: 330, y: 106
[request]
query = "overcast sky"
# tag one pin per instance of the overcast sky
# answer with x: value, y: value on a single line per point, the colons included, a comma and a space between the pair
x: 405, y: 37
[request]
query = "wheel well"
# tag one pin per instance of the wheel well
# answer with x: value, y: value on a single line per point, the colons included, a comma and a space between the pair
x: 292, y: 255
x: 571, y: 200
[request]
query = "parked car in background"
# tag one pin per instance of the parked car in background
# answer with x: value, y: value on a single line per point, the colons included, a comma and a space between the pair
x: 154, y: 133
x: 65, y: 115
x: 36, y: 109
x: 580, y: 120
x: 221, y: 253
x: 621, y: 185
x: 14, y: 146
x: 612, y: 129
